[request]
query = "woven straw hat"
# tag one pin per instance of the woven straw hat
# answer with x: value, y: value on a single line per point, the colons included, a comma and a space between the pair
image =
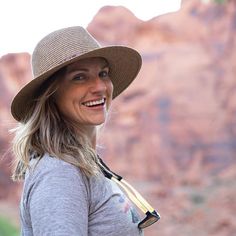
x: 65, y: 46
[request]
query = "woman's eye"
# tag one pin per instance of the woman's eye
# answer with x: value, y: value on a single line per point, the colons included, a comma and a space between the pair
x: 103, y: 74
x: 79, y: 77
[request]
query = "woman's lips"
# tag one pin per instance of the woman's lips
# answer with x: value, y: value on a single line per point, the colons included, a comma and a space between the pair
x: 95, y: 103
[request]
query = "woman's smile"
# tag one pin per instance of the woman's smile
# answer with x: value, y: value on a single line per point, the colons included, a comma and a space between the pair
x: 99, y: 103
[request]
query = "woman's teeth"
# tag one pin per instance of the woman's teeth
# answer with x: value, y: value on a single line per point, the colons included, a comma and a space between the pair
x: 94, y: 103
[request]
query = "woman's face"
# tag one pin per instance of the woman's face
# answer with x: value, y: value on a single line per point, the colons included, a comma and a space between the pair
x: 85, y: 92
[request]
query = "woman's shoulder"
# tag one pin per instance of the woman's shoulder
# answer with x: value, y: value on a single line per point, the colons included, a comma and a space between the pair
x: 49, y: 176
x: 49, y: 162
x: 52, y: 166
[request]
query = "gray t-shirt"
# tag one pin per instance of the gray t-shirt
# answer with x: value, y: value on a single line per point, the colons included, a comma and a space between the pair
x: 58, y: 200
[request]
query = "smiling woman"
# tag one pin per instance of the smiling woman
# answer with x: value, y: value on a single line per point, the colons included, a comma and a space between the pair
x: 68, y: 190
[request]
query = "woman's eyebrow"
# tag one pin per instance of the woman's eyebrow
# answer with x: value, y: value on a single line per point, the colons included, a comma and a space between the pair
x: 105, y: 65
x: 76, y: 69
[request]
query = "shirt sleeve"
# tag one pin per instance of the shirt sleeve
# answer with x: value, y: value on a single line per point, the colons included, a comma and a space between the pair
x: 58, y: 203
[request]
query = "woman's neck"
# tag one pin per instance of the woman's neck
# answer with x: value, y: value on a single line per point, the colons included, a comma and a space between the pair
x: 91, y: 134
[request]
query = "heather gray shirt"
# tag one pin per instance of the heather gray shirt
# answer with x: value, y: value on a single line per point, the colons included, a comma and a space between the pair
x: 58, y: 200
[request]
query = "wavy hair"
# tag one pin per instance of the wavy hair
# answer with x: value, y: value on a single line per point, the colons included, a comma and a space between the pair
x: 45, y: 130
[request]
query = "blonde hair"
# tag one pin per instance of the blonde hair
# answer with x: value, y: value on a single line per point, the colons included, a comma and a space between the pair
x: 45, y: 130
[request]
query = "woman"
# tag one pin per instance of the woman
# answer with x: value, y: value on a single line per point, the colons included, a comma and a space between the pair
x: 66, y: 191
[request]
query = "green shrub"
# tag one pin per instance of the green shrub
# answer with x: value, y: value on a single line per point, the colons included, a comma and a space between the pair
x: 7, y: 228
x: 221, y: 1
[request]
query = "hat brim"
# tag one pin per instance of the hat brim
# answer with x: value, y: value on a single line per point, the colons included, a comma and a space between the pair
x: 124, y: 63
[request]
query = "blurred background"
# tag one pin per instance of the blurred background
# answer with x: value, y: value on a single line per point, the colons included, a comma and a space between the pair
x: 172, y: 134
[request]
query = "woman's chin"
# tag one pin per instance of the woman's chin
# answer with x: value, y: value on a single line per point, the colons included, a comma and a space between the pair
x: 100, y: 122
x: 96, y: 122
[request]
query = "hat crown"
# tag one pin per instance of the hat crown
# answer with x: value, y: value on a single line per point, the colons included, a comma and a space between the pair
x: 61, y: 46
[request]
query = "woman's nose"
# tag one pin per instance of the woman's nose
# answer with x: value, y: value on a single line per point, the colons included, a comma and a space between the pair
x: 98, y: 85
